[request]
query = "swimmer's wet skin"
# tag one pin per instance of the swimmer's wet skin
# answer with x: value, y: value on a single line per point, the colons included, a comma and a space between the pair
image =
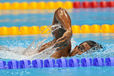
x: 62, y: 37
x: 85, y: 47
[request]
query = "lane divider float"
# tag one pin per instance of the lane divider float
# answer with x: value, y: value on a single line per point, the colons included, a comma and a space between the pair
x: 26, y: 30
x: 60, y: 63
x: 55, y: 5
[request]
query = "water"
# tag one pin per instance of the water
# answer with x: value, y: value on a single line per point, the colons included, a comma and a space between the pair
x: 80, y: 71
x: 31, y: 52
x: 78, y: 17
x: 40, y: 17
x: 107, y: 41
x: 18, y: 44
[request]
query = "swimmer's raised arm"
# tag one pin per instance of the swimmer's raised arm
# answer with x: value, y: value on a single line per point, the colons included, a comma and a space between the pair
x: 61, y: 17
x: 62, y: 36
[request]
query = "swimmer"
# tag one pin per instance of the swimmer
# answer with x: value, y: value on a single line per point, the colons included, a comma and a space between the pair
x: 62, y: 36
x: 85, y: 47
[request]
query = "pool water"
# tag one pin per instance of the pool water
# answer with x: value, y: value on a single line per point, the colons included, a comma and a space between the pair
x: 40, y: 17
x: 78, y: 17
x: 106, y: 40
x: 80, y: 71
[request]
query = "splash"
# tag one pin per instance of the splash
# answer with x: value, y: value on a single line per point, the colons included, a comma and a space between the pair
x: 55, y: 27
x: 19, y: 53
x: 31, y: 52
x: 52, y: 28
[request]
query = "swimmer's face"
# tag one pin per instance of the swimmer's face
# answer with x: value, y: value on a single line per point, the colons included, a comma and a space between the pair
x: 82, y: 48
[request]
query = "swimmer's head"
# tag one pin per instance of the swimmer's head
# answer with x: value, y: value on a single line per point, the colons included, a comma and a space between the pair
x: 86, y: 46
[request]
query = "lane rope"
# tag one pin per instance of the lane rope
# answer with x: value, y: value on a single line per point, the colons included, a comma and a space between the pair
x: 25, y: 30
x: 55, y: 5
x: 52, y: 63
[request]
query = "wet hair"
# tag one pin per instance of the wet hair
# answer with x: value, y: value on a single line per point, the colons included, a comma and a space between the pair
x: 94, y: 45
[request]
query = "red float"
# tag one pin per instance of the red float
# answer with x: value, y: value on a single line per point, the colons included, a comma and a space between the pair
x: 93, y: 4
x: 110, y: 4
x: 76, y: 4
x: 86, y: 4
x: 103, y: 4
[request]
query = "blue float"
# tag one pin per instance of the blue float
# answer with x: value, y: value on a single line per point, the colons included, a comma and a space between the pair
x: 61, y: 63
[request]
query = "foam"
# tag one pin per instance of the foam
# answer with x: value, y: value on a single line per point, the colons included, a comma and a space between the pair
x: 19, y: 53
